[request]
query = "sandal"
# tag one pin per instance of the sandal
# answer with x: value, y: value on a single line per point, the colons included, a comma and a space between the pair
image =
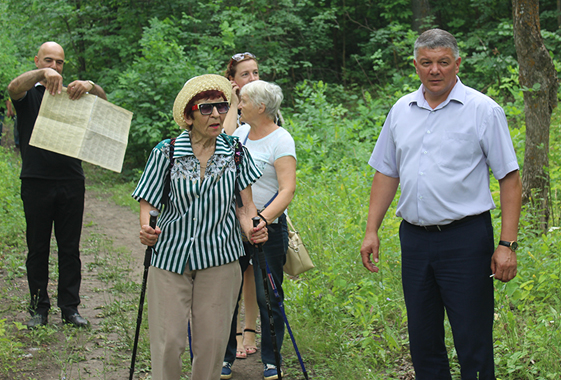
x: 250, y: 348
x: 240, y: 352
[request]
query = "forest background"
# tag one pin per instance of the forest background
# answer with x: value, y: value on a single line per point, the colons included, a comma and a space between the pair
x: 341, y: 64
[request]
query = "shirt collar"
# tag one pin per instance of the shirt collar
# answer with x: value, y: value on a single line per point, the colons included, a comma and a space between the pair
x: 183, y: 146
x: 458, y: 94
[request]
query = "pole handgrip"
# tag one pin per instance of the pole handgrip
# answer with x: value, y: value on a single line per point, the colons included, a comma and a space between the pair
x: 256, y: 220
x: 153, y: 217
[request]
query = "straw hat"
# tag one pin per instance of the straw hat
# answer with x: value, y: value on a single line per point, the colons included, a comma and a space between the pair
x: 195, y: 86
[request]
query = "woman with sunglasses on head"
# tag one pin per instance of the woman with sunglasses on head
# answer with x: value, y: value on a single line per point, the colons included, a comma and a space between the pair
x: 242, y: 69
x: 194, y: 269
x: 274, y: 153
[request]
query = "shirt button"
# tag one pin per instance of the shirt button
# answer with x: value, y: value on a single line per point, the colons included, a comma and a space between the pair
x: 428, y: 131
x: 421, y: 173
x: 425, y: 152
x: 194, y: 218
x: 192, y: 238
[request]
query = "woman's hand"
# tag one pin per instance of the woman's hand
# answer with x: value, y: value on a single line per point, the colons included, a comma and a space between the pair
x: 259, y: 234
x: 235, y: 94
x: 149, y: 235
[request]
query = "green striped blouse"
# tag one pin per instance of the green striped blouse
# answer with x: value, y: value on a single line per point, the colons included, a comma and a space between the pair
x: 200, y: 224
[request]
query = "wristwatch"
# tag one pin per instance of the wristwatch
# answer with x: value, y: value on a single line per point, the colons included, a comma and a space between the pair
x: 513, y: 245
x: 92, y: 83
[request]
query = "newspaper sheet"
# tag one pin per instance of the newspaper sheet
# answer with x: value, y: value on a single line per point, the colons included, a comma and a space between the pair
x: 90, y: 129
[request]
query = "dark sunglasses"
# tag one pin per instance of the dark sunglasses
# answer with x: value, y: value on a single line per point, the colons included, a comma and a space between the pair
x: 206, y: 108
x: 238, y: 57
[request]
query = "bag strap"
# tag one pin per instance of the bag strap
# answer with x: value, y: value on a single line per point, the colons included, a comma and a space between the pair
x: 290, y: 225
x: 270, y: 200
x: 238, y: 158
x: 167, y: 183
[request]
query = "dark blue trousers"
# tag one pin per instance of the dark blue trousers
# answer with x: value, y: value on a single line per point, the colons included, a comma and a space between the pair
x: 448, y: 271
x: 275, y: 255
x: 59, y: 203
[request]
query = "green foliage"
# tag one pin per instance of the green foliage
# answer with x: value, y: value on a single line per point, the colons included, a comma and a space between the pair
x: 10, y: 65
x: 341, y: 65
x: 12, y: 224
x: 148, y: 88
x: 143, y: 53
x: 10, y: 351
x: 325, y: 130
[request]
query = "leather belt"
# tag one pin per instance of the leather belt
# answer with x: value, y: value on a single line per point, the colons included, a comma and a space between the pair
x: 442, y: 227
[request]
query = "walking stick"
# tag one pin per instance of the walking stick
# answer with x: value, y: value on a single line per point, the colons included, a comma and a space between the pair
x: 263, y: 265
x: 281, y: 306
x: 147, y: 258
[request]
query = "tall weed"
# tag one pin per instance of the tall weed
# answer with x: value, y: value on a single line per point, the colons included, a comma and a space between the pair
x: 12, y: 223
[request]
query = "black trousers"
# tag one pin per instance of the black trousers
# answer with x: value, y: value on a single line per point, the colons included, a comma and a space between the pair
x: 449, y: 271
x: 48, y: 202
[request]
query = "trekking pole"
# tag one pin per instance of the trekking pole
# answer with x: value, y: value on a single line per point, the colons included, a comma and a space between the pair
x: 263, y: 265
x: 190, y: 340
x: 281, y: 306
x: 147, y: 258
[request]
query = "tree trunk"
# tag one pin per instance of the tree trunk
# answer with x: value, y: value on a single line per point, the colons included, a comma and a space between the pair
x: 538, y: 75
x: 558, y: 13
x: 421, y: 12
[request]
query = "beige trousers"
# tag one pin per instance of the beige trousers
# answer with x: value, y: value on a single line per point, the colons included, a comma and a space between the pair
x: 209, y: 297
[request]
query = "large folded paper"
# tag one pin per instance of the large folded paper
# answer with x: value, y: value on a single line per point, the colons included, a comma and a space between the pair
x: 90, y: 129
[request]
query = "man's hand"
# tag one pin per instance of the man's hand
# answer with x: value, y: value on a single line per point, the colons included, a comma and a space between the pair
x: 78, y: 88
x: 503, y: 264
x: 370, y: 246
x: 53, y: 81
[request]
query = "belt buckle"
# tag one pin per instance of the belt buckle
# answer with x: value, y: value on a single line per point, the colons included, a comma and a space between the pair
x: 432, y: 228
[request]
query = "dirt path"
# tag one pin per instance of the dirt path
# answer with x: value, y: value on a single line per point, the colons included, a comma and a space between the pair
x: 120, y: 225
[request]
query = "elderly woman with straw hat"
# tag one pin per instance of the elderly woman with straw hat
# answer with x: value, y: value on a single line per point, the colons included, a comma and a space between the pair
x: 194, y: 271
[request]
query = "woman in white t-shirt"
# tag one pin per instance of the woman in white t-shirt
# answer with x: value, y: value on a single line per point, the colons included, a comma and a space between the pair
x: 274, y: 153
x: 242, y: 69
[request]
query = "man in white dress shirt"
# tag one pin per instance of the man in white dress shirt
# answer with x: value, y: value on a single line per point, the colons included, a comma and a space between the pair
x: 438, y: 143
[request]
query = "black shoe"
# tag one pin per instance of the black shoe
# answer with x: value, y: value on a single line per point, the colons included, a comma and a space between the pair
x: 75, y: 319
x: 36, y: 321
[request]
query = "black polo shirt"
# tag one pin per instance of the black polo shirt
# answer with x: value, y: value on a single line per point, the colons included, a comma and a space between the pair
x: 36, y: 162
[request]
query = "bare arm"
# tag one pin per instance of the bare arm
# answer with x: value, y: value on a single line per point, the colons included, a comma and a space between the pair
x: 286, y: 174
x: 503, y: 262
x: 148, y: 235
x: 25, y: 82
x: 381, y: 195
x: 231, y: 120
x: 245, y: 214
